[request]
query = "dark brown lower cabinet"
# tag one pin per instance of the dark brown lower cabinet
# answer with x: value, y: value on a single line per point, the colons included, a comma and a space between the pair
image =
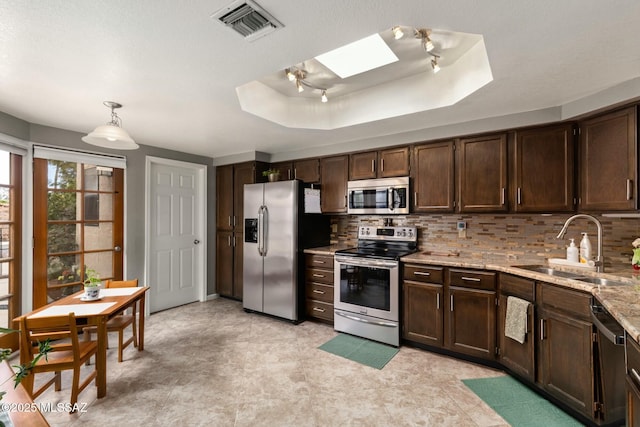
x: 423, y: 304
x: 423, y: 319
x: 565, y: 347
x: 518, y: 358
x: 472, y: 322
x: 632, y: 382
x: 229, y: 264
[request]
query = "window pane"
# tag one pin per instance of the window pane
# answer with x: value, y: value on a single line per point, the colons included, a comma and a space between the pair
x: 63, y: 238
x: 63, y: 269
x: 60, y: 292
x: 61, y: 206
x: 4, y: 278
x: 101, y: 262
x: 4, y: 203
x: 98, y: 236
x: 5, y: 167
x: 4, y: 241
x: 62, y: 175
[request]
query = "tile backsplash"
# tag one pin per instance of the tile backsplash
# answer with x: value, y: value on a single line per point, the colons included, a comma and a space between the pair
x: 512, y: 236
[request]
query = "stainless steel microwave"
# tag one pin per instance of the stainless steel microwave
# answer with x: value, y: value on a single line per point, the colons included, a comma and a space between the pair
x: 384, y: 196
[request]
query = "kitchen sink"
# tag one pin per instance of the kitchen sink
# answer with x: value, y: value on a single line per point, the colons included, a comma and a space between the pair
x: 550, y: 271
x: 601, y: 281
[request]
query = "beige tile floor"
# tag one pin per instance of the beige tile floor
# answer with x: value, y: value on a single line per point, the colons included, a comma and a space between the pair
x: 212, y: 364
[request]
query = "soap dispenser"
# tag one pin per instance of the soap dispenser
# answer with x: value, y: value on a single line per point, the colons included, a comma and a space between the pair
x: 585, y: 249
x: 572, y: 252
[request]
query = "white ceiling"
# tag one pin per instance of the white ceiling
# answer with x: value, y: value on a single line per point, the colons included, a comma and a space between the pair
x: 176, y: 70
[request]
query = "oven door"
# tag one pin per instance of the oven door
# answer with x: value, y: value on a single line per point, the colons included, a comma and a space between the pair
x: 367, y: 286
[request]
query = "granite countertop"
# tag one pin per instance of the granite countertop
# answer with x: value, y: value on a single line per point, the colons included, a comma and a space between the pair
x: 623, y: 302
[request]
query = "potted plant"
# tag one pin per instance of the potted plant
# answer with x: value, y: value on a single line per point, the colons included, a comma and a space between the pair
x: 635, y: 261
x: 91, y: 284
x: 272, y: 174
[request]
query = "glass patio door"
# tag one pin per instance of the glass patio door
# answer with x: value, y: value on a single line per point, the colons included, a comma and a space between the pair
x: 10, y: 243
x: 78, y: 225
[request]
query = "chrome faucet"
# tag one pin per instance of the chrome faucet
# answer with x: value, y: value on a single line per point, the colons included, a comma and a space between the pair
x: 600, y: 258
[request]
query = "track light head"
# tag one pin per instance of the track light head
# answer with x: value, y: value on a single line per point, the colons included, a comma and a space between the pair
x: 397, y: 32
x: 324, y: 96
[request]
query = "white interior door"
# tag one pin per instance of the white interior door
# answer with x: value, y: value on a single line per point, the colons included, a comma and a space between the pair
x: 175, y: 223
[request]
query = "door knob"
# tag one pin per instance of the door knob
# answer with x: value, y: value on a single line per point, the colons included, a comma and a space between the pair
x: 117, y: 248
x: 195, y: 242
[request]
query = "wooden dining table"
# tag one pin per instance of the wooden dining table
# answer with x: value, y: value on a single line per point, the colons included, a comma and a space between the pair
x: 112, y: 301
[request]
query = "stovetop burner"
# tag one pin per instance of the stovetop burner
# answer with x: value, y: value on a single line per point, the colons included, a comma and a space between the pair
x: 383, y: 243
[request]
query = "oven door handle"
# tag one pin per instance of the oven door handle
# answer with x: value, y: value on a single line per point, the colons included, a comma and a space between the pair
x: 365, y: 262
x: 360, y: 319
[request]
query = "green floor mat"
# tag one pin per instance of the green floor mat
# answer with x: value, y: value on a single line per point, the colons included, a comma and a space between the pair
x: 360, y: 350
x: 517, y: 404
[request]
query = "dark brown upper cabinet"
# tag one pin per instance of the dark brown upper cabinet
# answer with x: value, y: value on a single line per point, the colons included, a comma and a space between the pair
x: 306, y: 170
x: 379, y: 164
x: 334, y: 174
x: 482, y: 174
x: 433, y: 177
x: 609, y: 162
x: 543, y: 171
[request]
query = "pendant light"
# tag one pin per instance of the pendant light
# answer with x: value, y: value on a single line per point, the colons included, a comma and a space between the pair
x: 111, y: 135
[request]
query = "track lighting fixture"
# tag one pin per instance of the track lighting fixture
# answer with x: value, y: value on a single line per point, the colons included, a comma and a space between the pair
x: 298, y: 76
x: 434, y: 64
x: 397, y: 32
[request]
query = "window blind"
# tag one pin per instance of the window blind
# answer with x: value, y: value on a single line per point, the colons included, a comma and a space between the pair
x: 67, y: 155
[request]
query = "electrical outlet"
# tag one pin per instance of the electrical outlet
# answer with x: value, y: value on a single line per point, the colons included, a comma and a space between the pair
x: 461, y: 226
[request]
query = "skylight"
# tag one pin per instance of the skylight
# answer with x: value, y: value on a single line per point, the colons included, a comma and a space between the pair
x: 357, y: 57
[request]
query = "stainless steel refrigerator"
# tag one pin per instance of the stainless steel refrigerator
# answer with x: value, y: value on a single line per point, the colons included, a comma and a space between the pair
x: 276, y: 231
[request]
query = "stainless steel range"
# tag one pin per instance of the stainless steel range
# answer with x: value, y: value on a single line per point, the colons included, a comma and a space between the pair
x: 367, y: 283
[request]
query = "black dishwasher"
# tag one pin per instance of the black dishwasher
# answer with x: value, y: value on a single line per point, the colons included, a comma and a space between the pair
x: 609, y: 365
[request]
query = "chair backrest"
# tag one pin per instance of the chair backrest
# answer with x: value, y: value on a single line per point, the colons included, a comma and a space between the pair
x: 133, y: 283
x: 38, y: 329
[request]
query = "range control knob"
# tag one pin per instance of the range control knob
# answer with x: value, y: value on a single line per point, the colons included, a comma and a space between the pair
x: 410, y: 233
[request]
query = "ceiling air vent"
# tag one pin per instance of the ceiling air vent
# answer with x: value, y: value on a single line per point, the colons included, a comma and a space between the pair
x: 248, y: 19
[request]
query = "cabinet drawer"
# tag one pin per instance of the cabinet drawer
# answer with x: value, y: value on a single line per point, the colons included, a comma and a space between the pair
x: 472, y: 279
x: 319, y: 292
x: 568, y: 300
x: 633, y: 360
x: 423, y: 273
x: 318, y: 276
x: 319, y: 309
x: 319, y: 261
x: 518, y: 287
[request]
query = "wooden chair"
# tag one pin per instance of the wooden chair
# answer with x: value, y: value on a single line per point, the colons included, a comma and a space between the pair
x: 69, y: 355
x: 120, y: 322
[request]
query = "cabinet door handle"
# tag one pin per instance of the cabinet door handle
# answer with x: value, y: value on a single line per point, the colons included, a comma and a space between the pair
x: 229, y: 220
x: 470, y: 279
x: 382, y: 165
x: 422, y: 273
x: 635, y: 375
x: 295, y: 173
x: 519, y: 196
x: 629, y: 189
x: 229, y: 241
x: 541, y: 329
x: 315, y: 261
x: 451, y: 297
x: 234, y: 241
x: 234, y: 220
x: 502, y: 195
x: 318, y: 275
x: 315, y: 291
x: 373, y: 165
x: 321, y: 310
x: 415, y: 198
x: 438, y: 301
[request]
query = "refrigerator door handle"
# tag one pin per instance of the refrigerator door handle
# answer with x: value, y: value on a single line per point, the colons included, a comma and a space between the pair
x: 265, y: 230
x: 260, y: 221
x: 262, y: 230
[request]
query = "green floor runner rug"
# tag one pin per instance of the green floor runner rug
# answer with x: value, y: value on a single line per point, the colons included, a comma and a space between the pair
x: 360, y: 350
x: 517, y: 404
